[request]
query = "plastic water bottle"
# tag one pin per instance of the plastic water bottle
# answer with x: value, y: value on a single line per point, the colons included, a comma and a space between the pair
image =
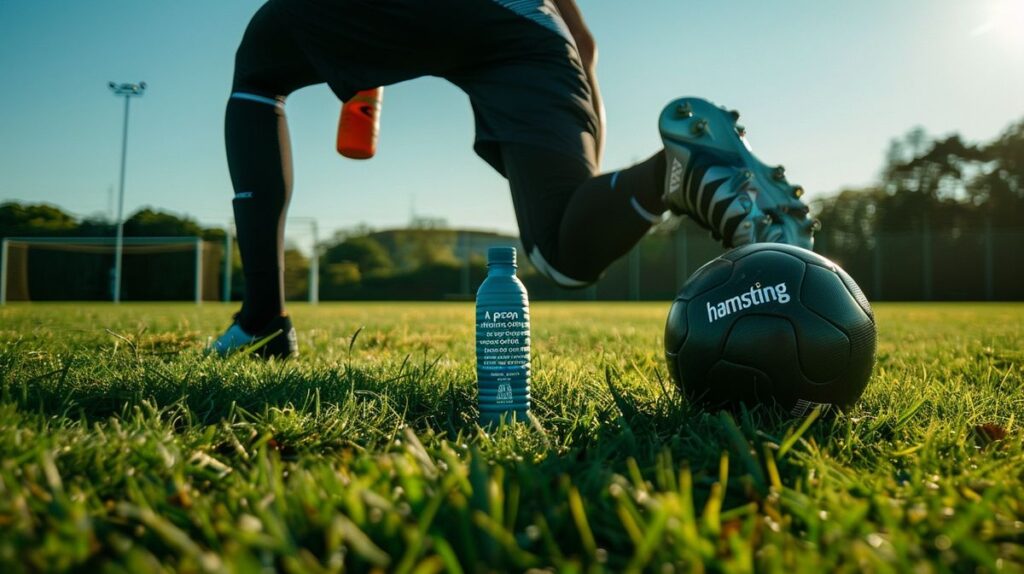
x: 502, y: 341
x: 359, y: 124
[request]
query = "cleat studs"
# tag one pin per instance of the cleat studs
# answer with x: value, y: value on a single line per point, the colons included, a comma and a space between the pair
x: 735, y: 115
x: 684, y: 110
x: 798, y: 192
x: 779, y: 173
x: 700, y: 127
x: 741, y: 131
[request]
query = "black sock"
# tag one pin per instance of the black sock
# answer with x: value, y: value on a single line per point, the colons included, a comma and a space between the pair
x: 646, y: 181
x: 259, y: 159
x: 607, y: 215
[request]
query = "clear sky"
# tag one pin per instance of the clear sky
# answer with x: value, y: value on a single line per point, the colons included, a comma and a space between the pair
x: 822, y: 86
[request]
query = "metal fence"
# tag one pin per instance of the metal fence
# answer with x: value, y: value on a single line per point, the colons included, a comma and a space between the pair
x: 922, y: 264
x: 938, y: 265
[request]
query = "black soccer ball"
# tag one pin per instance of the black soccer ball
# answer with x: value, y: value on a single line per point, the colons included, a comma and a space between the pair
x: 771, y: 323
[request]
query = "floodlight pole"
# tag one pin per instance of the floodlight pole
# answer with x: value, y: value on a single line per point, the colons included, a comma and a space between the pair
x: 128, y: 91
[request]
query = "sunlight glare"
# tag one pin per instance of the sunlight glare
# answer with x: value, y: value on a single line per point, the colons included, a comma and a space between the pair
x: 1004, y: 19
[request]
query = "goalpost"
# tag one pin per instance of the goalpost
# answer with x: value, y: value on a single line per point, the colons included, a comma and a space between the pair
x: 302, y: 236
x: 15, y: 272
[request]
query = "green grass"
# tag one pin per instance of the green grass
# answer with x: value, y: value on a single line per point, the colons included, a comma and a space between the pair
x: 122, y: 449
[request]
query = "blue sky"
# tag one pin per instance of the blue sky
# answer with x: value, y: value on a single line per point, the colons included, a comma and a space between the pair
x: 822, y: 86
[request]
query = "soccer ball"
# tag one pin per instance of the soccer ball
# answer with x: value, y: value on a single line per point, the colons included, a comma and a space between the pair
x: 771, y: 322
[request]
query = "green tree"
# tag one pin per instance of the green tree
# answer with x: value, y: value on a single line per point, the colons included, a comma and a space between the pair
x: 151, y: 223
x: 296, y: 274
x: 96, y: 227
x: 414, y: 248
x: 849, y: 219
x: 934, y: 184
x: 1001, y: 188
x: 368, y: 255
x: 35, y: 220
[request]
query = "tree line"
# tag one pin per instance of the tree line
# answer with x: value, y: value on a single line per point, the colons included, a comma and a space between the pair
x: 929, y: 186
x: 944, y: 183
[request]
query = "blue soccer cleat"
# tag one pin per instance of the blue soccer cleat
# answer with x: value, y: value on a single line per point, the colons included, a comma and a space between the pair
x: 713, y: 177
x: 276, y: 340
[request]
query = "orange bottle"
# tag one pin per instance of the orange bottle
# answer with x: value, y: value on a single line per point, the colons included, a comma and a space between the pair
x: 359, y: 124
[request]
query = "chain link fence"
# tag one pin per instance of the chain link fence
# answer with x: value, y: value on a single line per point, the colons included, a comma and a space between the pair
x: 921, y: 264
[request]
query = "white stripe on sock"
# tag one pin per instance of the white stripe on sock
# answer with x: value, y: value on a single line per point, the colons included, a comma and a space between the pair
x: 550, y: 272
x: 650, y: 217
x: 260, y: 99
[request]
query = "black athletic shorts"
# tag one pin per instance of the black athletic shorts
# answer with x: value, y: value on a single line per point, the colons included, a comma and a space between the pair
x: 524, y: 80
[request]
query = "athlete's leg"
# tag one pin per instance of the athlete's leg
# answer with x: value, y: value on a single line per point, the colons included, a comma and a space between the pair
x: 574, y: 224
x: 538, y: 124
x: 350, y: 45
x: 608, y: 214
x: 268, y: 67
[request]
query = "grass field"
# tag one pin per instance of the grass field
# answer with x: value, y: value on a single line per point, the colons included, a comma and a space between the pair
x: 122, y: 449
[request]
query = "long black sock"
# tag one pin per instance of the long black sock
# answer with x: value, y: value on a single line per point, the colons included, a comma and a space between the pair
x: 259, y: 159
x: 607, y: 215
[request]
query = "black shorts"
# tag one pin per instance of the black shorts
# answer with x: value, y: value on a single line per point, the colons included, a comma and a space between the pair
x: 525, y: 81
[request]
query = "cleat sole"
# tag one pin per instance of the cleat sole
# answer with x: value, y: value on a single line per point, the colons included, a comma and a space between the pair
x: 691, y: 126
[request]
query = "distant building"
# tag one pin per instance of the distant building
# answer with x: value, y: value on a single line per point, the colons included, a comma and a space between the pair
x: 410, y: 247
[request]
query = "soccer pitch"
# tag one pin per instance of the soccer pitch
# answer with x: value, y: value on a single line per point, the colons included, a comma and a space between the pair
x: 123, y: 449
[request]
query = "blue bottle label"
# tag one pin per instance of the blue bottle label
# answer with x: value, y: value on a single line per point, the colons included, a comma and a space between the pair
x: 503, y: 357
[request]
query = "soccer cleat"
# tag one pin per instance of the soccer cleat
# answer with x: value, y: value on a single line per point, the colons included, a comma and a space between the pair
x: 276, y: 340
x: 714, y: 178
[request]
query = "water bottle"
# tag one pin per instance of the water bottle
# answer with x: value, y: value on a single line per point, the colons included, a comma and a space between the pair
x: 359, y: 124
x: 502, y: 341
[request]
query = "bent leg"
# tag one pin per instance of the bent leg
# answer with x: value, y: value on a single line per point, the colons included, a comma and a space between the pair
x: 538, y: 124
x: 608, y: 215
x: 574, y: 224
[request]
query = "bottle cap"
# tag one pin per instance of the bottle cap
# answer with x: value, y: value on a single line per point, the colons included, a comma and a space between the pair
x: 501, y: 256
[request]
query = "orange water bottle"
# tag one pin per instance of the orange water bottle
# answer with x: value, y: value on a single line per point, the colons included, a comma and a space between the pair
x: 359, y: 124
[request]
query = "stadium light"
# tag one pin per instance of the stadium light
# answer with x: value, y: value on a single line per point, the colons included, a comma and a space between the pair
x: 128, y: 91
